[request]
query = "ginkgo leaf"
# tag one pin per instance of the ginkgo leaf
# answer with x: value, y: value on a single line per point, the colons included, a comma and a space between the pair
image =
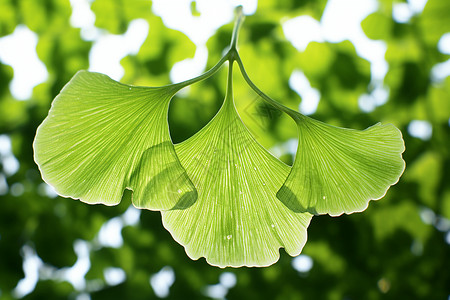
x: 237, y: 219
x: 102, y: 137
x: 219, y: 191
x: 338, y: 170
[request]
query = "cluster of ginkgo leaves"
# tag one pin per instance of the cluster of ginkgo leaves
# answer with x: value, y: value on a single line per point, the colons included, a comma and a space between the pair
x: 221, y: 194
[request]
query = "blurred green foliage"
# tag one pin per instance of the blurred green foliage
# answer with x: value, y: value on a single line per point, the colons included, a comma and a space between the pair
x: 397, y: 249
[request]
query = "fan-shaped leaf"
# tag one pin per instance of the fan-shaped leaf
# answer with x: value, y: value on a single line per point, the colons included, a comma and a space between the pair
x: 338, y: 170
x: 102, y: 136
x: 237, y: 219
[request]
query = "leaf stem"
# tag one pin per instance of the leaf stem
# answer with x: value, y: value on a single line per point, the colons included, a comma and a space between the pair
x: 292, y: 113
x: 231, y: 56
x: 205, y: 75
x: 237, y: 25
x: 229, y: 94
x: 227, y: 57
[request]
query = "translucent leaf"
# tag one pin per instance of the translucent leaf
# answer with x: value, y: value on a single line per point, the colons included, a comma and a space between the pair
x: 317, y: 60
x: 8, y: 18
x: 435, y: 20
x: 425, y: 171
x: 389, y: 219
x: 338, y: 170
x: 115, y: 15
x: 437, y: 100
x: 237, y: 219
x: 102, y: 136
x: 377, y: 26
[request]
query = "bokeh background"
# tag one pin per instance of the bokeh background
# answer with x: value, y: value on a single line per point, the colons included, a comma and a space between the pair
x: 346, y: 62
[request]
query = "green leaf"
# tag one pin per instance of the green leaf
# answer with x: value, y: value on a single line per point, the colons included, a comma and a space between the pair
x: 237, y: 219
x: 425, y: 172
x: 377, y: 26
x: 219, y: 191
x: 102, y: 137
x: 399, y: 216
x: 114, y: 15
x: 316, y: 60
x: 338, y: 170
x: 435, y: 21
x: 8, y: 17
